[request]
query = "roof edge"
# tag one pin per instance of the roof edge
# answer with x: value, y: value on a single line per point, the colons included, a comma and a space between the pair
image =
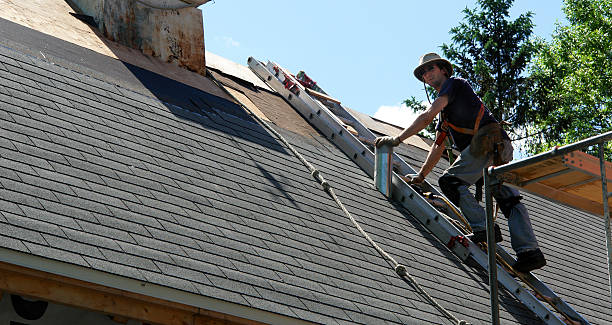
x: 139, y: 287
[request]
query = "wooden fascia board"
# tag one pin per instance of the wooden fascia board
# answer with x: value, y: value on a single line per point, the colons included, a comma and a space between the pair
x: 139, y: 290
x: 59, y: 289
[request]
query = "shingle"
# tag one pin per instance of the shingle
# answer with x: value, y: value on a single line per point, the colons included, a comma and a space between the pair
x: 19, y: 198
x: 313, y: 316
x: 11, y: 133
x: 40, y: 153
x: 11, y: 207
x: 72, y: 180
x: 27, y: 222
x: 142, y: 182
x: 152, y: 254
x: 134, y: 217
x: 12, y: 243
x: 129, y: 259
x: 91, y: 239
x: 171, y: 281
x: 56, y: 254
x: 222, y: 294
x: 125, y: 225
x: 45, y: 184
x: 105, y: 231
x: 160, y: 245
x: 332, y: 311
x: 149, y: 211
x: 231, y: 285
x: 191, y: 275
x: 173, y: 238
x: 114, y: 268
x: 73, y: 246
x: 81, y: 203
x: 165, y: 206
x: 68, y: 211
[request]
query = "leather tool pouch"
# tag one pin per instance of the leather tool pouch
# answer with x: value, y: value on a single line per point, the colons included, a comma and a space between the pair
x: 488, y: 140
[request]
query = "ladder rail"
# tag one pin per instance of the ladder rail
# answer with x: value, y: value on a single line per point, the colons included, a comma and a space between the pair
x: 328, y: 124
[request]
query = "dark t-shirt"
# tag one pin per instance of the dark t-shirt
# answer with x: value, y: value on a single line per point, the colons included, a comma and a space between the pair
x: 462, y: 110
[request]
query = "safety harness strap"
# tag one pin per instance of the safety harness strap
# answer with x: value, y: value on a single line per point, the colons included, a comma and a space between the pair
x: 446, y: 124
x: 466, y: 130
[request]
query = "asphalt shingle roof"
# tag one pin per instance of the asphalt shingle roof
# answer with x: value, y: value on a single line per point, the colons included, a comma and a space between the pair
x: 202, y: 199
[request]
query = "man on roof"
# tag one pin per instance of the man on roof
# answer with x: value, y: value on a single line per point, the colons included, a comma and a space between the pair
x: 482, y: 143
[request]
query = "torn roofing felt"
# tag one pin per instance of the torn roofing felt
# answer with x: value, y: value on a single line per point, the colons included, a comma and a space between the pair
x: 203, y: 200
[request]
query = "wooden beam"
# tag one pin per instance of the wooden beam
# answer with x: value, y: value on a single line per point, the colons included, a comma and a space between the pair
x: 55, y: 288
x: 322, y: 96
x: 587, y: 164
x: 566, y: 198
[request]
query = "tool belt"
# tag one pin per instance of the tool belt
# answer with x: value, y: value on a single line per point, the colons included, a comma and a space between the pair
x: 489, y: 140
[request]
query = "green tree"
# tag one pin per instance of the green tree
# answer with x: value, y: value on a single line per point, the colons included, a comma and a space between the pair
x: 571, y: 96
x: 492, y: 53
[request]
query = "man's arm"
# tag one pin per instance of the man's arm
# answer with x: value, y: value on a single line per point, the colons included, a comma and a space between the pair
x: 419, y: 124
x: 423, y: 120
x: 433, y: 157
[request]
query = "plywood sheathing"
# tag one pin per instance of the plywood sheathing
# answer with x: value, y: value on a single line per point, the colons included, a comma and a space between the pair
x: 53, y: 17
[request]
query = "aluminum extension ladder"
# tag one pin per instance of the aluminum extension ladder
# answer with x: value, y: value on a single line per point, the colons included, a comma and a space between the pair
x: 331, y: 124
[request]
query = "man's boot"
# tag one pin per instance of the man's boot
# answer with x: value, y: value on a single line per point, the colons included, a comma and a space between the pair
x: 480, y: 236
x: 529, y: 261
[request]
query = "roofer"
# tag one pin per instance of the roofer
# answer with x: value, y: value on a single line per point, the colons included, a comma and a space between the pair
x: 482, y: 143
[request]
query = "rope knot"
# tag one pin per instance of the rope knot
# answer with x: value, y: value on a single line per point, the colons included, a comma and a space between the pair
x: 325, y: 185
x: 401, y: 270
x: 315, y: 174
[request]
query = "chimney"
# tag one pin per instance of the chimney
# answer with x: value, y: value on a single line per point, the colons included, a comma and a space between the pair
x: 171, y: 30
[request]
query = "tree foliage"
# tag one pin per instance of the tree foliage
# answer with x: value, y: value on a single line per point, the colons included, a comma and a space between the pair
x: 492, y: 53
x: 571, y: 77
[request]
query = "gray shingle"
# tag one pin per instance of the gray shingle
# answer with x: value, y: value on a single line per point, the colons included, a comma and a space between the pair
x: 125, y: 225
x: 106, y: 231
x: 163, y: 246
x: 30, y: 190
x: 68, y: 211
x: 72, y: 246
x: 115, y: 268
x: 200, y: 261
x: 82, y: 203
x: 7, y: 206
x: 91, y: 239
x: 27, y: 222
x: 128, y: 259
x: 173, y: 238
x: 19, y: 198
x: 56, y: 254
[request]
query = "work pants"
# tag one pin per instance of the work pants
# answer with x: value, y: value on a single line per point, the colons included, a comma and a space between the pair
x: 469, y: 169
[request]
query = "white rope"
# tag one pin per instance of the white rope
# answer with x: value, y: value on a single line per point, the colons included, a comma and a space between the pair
x: 400, y: 269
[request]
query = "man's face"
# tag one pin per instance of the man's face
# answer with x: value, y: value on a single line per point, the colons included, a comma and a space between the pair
x: 433, y: 76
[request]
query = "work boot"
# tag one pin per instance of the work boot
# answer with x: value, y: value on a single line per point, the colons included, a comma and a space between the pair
x: 480, y: 236
x: 529, y: 261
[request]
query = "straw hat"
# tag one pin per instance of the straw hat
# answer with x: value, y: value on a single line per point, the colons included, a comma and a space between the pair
x: 431, y: 58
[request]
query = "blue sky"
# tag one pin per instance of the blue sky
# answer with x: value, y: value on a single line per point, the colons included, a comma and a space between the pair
x: 360, y: 52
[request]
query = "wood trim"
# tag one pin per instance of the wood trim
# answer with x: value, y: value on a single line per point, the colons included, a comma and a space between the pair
x: 63, y: 290
x: 565, y: 198
x: 586, y: 163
